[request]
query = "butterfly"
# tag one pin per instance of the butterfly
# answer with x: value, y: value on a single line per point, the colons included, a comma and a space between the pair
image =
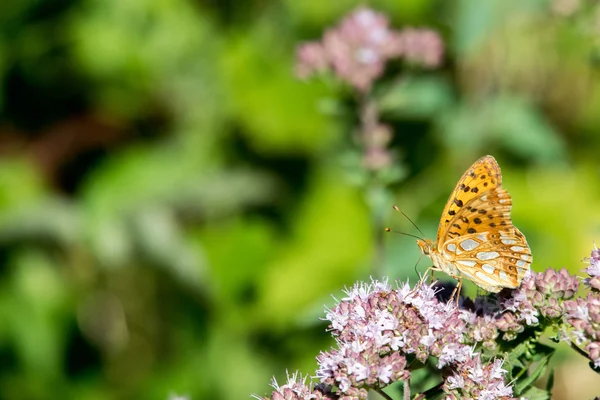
x: 476, y: 238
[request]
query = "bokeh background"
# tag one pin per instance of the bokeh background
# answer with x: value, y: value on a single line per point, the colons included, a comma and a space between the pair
x: 177, y: 207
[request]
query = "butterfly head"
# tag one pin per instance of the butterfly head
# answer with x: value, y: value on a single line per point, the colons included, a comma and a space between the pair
x: 426, y: 246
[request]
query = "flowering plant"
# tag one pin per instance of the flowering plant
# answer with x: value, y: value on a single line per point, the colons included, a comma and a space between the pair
x: 489, y: 348
x: 356, y: 53
x: 414, y: 340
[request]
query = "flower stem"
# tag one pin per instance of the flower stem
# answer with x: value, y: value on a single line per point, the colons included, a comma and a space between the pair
x: 578, y: 350
x: 376, y: 192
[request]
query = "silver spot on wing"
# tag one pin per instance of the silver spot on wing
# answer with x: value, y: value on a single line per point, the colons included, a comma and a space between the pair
x: 469, y: 244
x: 486, y: 278
x: 488, y: 268
x: 467, y: 263
x: 487, y: 255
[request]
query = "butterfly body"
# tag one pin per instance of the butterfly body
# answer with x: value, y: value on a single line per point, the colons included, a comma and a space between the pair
x: 428, y: 248
x: 476, y: 238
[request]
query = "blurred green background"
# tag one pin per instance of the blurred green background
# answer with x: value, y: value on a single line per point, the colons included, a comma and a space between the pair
x: 176, y: 207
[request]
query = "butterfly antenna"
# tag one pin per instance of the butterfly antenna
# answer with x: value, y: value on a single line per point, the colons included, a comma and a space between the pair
x: 403, y: 233
x: 411, y: 221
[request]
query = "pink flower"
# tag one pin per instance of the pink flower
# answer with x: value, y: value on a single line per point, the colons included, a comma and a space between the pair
x: 593, y: 270
x: 358, y: 48
x: 422, y: 46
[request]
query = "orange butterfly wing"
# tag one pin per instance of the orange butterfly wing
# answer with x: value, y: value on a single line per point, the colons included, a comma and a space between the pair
x: 481, y: 177
x: 476, y: 234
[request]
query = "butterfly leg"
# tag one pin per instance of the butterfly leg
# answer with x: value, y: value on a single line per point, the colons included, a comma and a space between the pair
x: 457, y: 289
x: 424, y: 276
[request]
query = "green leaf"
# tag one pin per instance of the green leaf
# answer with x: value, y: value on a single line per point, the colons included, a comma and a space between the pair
x: 536, y: 394
x: 511, y: 364
x: 416, y: 97
x: 276, y: 112
x: 514, y: 355
x: 520, y: 126
x: 541, y: 351
x: 52, y: 219
x: 542, y: 356
x: 550, y: 382
x: 511, y: 122
x: 159, y: 238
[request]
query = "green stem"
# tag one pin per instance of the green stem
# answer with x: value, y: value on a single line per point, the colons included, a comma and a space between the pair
x: 375, y: 191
